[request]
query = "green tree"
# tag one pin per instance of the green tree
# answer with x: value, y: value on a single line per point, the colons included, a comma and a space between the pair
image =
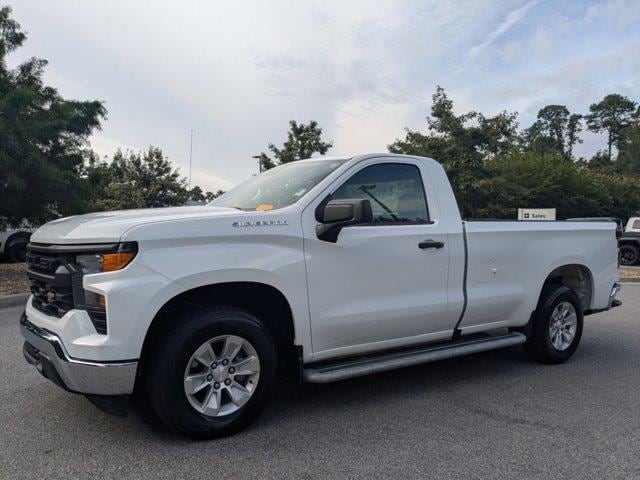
x: 302, y: 142
x: 611, y: 115
x: 43, y: 139
x: 528, y: 179
x: 265, y: 162
x: 554, y: 131
x: 462, y: 143
x: 494, y: 169
x: 137, y: 180
x: 196, y: 194
x: 600, y: 162
x: 628, y: 160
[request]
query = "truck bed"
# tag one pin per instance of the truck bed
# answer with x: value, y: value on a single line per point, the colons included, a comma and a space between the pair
x: 506, y: 259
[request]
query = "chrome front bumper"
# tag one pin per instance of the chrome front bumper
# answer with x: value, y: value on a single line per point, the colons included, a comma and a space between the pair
x: 47, y: 353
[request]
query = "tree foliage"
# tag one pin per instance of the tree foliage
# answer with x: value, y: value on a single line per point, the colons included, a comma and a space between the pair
x: 302, y: 142
x: 197, y: 195
x: 139, y: 180
x: 528, y: 179
x: 43, y: 139
x: 461, y: 143
x: 554, y: 131
x: 494, y: 168
x: 612, y: 115
x: 628, y: 160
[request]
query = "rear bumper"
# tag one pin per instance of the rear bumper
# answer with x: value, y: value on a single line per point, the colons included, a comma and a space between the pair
x: 47, y: 353
x: 613, y: 302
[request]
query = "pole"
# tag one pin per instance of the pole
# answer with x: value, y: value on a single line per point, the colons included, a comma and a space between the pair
x: 259, y: 158
x: 190, y: 156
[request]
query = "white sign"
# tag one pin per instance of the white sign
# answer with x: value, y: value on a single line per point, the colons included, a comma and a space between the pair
x: 536, y: 214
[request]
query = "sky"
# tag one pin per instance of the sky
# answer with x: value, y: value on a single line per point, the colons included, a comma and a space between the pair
x: 237, y: 72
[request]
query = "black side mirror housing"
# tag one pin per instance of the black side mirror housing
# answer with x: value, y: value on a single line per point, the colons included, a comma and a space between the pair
x: 337, y: 214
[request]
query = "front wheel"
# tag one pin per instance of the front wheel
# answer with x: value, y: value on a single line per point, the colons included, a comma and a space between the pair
x: 629, y: 254
x: 557, y: 326
x: 211, y: 375
x: 17, y: 251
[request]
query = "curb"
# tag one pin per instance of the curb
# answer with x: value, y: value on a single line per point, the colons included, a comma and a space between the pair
x: 8, y: 301
x: 630, y: 280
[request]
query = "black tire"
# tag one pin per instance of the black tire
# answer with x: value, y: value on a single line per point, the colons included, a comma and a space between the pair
x: 17, y: 251
x: 539, y: 345
x: 629, y: 254
x: 164, y: 370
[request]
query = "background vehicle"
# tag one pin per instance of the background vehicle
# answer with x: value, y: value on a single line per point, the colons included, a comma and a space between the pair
x: 13, y: 243
x: 630, y: 242
x: 334, y: 267
x: 633, y: 225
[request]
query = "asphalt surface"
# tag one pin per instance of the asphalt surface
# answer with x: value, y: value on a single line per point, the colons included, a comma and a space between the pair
x: 490, y: 415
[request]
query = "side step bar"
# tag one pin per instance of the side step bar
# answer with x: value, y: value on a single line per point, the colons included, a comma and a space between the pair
x: 344, y: 369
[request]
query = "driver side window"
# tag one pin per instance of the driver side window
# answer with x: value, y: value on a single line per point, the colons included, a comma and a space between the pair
x: 395, y: 191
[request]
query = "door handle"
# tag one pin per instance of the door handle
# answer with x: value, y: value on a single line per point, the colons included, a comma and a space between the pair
x: 430, y: 244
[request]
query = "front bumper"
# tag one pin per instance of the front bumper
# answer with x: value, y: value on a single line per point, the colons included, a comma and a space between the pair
x: 47, y: 353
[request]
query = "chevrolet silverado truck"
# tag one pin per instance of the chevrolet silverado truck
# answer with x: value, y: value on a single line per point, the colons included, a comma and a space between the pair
x: 330, y: 268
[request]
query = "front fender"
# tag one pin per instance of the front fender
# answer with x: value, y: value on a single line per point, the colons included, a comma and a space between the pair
x: 277, y: 261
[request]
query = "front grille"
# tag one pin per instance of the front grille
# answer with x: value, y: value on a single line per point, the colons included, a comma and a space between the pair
x: 51, y: 299
x: 50, y: 283
x: 56, y: 284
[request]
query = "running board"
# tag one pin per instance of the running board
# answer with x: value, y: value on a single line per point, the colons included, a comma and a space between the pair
x: 344, y: 369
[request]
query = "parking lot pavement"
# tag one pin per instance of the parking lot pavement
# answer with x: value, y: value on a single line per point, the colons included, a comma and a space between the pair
x: 490, y: 415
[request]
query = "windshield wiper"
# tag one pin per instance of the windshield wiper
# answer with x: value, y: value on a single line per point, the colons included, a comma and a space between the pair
x: 365, y: 189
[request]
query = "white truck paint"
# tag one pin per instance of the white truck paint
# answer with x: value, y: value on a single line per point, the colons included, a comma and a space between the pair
x: 372, y: 290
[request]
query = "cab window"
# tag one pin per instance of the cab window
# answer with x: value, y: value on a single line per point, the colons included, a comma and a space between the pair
x: 395, y: 190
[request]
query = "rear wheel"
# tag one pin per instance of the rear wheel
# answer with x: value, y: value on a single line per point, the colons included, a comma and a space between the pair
x: 557, y: 326
x: 211, y: 376
x: 629, y: 254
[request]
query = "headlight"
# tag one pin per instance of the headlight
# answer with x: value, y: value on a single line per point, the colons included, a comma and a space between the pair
x: 108, y: 261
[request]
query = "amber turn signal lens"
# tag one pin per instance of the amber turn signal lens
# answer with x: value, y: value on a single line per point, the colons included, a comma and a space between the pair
x: 116, y: 261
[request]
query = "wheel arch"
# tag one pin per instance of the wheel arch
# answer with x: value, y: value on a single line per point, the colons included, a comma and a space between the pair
x: 13, y: 237
x: 265, y: 301
x: 575, y: 276
x: 629, y: 241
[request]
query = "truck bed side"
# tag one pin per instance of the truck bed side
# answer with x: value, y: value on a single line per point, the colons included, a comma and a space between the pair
x: 508, y: 263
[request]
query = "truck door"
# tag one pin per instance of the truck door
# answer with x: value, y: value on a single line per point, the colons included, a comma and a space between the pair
x: 382, y: 284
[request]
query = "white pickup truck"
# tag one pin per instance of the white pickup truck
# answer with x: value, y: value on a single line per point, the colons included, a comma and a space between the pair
x: 331, y: 267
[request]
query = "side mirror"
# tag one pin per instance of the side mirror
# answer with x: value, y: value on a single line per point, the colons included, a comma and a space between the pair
x: 336, y: 214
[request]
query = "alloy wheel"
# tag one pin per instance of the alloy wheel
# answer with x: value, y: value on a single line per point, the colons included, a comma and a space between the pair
x: 221, y: 375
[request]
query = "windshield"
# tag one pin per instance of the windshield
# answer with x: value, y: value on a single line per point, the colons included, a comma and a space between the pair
x: 278, y: 187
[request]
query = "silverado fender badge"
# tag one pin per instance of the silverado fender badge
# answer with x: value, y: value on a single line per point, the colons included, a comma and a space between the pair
x: 261, y: 223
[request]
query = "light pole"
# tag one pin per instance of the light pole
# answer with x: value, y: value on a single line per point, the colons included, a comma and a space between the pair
x: 190, y: 156
x: 258, y: 157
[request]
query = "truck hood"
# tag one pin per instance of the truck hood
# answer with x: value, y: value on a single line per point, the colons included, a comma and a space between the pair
x: 106, y: 227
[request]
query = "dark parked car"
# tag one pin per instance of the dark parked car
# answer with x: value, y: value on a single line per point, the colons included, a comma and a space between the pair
x: 628, y: 242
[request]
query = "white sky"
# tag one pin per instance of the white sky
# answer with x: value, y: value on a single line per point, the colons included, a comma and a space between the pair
x: 237, y: 72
